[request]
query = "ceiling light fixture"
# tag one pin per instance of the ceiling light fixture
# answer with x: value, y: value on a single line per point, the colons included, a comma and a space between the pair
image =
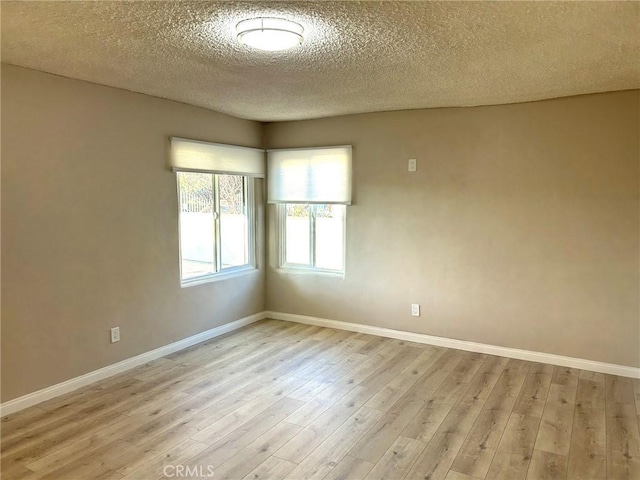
x: 271, y: 34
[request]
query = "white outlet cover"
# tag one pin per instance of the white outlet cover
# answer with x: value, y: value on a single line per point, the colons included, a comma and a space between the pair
x: 115, y: 334
x: 415, y: 310
x: 413, y: 164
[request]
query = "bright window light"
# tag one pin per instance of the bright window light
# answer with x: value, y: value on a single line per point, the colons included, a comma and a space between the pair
x: 312, y: 236
x: 216, y: 224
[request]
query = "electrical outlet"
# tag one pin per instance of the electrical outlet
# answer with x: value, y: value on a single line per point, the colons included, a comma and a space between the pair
x: 413, y: 164
x: 115, y: 334
x: 415, y: 310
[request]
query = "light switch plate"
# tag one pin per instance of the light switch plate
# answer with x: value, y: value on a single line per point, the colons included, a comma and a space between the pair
x: 115, y: 334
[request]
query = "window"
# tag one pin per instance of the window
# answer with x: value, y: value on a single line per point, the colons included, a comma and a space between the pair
x: 216, y: 207
x: 313, y: 236
x: 216, y: 225
x: 311, y: 188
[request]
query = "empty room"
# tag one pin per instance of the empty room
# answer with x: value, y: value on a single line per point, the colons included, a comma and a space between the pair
x: 330, y: 240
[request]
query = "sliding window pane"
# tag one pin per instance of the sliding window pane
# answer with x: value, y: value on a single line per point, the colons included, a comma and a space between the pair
x: 330, y: 237
x: 196, y: 224
x: 234, y: 228
x: 297, y: 229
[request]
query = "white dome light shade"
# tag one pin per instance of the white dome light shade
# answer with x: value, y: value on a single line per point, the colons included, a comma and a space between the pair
x: 271, y: 34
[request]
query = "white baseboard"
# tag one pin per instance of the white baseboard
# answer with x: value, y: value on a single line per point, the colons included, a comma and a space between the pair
x: 53, y: 391
x: 581, y: 363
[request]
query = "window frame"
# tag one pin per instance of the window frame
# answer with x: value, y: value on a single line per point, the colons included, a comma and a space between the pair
x: 251, y: 246
x: 282, y: 241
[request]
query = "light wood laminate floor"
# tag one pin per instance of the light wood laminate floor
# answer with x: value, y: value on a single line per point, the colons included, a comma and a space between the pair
x: 282, y: 400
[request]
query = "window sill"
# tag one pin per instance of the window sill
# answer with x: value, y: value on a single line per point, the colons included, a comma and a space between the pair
x: 216, y: 277
x: 311, y: 271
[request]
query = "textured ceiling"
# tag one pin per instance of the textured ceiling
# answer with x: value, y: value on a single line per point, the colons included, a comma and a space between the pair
x: 357, y: 56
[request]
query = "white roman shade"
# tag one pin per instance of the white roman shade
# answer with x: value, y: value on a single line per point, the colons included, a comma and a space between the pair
x: 197, y: 156
x: 309, y: 175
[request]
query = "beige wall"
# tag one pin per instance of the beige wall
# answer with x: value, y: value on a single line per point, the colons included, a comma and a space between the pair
x: 520, y: 227
x: 89, y: 228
